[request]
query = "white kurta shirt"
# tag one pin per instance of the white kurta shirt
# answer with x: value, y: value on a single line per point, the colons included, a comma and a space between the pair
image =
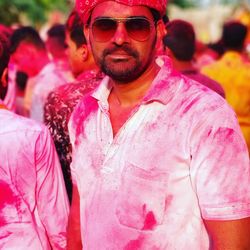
x: 33, y: 202
x: 180, y: 158
x: 48, y: 79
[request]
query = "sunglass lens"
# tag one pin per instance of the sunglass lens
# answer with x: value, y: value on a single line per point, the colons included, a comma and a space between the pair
x: 138, y: 28
x: 104, y: 29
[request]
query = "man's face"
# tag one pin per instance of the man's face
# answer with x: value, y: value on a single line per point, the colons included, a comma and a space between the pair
x: 74, y: 56
x: 23, y: 58
x: 122, y: 57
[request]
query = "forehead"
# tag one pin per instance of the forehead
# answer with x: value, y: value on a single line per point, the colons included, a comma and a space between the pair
x: 23, y: 47
x: 113, y: 9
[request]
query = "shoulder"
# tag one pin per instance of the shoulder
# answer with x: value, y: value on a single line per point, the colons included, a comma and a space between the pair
x: 21, y: 132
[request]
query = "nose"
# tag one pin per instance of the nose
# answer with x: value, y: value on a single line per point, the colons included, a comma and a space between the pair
x: 121, y: 34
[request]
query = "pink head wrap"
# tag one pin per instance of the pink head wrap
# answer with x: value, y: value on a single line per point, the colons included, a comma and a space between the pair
x: 84, y: 7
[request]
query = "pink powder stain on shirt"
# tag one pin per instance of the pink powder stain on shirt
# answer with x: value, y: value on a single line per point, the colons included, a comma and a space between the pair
x: 89, y: 106
x: 134, y: 244
x: 150, y: 221
x: 6, y: 197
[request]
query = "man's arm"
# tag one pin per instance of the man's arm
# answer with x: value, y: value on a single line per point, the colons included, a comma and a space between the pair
x: 229, y: 235
x: 74, y: 227
x: 52, y: 200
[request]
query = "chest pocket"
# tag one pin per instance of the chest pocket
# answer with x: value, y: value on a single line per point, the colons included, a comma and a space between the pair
x: 141, y: 198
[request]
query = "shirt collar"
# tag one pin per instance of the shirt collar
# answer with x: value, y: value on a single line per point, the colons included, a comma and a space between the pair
x: 163, y: 88
x: 49, y: 67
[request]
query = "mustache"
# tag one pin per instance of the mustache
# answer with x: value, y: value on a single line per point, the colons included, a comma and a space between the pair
x: 124, y: 48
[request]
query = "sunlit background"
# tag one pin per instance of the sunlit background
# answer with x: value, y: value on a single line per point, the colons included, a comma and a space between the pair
x: 207, y: 16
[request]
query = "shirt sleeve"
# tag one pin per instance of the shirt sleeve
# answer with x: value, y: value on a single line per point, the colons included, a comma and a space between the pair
x: 220, y: 169
x: 53, y: 206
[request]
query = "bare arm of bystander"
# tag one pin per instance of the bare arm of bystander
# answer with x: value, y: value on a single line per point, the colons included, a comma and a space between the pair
x: 229, y: 235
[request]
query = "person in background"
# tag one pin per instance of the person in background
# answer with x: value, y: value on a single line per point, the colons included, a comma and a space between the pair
x: 9, y: 90
x: 29, y: 54
x: 57, y: 47
x: 4, y: 75
x: 232, y: 72
x: 4, y: 56
x: 206, y: 53
x: 33, y: 201
x: 150, y: 147
x: 21, y: 82
x: 61, y: 102
x: 79, y: 54
x: 180, y: 45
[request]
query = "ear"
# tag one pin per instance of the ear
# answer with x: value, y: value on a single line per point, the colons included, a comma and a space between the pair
x: 168, y: 52
x: 161, y: 29
x: 4, y: 78
x: 161, y: 32
x: 84, y: 52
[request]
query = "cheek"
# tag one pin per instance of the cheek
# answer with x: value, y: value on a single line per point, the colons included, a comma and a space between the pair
x: 97, y: 52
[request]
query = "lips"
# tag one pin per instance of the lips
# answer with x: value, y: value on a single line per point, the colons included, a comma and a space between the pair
x: 119, y: 56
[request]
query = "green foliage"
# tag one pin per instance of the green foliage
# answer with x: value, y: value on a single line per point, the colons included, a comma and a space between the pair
x: 34, y: 10
x: 184, y: 3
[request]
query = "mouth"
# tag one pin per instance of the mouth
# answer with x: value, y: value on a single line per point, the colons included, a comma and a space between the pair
x: 119, y: 56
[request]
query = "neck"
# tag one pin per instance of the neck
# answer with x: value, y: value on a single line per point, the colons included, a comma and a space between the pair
x: 183, y: 65
x: 131, y: 93
x: 2, y: 106
x: 42, y: 62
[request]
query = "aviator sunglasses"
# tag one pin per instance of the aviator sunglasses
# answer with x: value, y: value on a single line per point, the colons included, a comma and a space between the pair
x: 138, y: 28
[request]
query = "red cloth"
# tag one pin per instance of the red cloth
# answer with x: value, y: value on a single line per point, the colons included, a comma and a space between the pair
x: 84, y: 7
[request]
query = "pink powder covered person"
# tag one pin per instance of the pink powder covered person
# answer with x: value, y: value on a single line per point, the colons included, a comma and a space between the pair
x: 158, y: 160
x: 61, y: 101
x: 180, y: 46
x: 29, y: 54
x: 33, y: 201
x: 10, y: 96
x: 57, y: 48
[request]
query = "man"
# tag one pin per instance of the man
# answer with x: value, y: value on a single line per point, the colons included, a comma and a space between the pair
x: 79, y: 55
x: 57, y: 49
x: 30, y: 56
x: 232, y: 72
x: 180, y: 46
x: 3, y: 71
x: 33, y: 201
x: 9, y: 91
x: 158, y: 160
x: 61, y: 102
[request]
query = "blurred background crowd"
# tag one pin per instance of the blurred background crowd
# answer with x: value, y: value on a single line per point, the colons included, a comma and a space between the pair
x: 207, y: 16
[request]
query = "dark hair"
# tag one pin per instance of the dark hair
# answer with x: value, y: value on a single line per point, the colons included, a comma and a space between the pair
x: 74, y: 26
x: 180, y: 39
x: 4, y: 60
x: 57, y: 33
x: 156, y: 15
x: 233, y: 35
x: 21, y: 80
x: 217, y: 47
x: 26, y: 34
x: 4, y: 54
